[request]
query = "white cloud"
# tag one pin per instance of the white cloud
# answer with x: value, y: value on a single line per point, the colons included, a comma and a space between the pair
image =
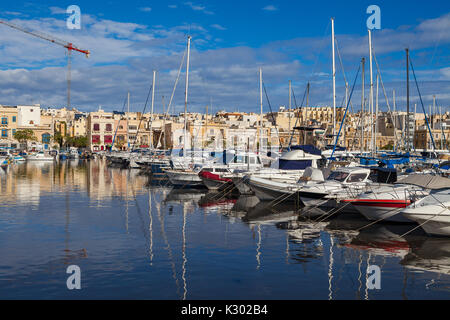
x: 172, y: 6
x: 57, y: 10
x: 197, y: 7
x: 124, y: 55
x: 218, y: 27
x: 270, y: 8
x: 145, y: 9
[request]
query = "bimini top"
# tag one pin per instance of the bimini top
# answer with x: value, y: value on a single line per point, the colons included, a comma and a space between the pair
x: 426, y: 181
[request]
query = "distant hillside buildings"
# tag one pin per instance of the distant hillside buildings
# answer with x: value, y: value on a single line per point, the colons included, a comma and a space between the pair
x: 311, y: 125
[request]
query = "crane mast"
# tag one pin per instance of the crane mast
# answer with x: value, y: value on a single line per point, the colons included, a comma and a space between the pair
x: 69, y: 46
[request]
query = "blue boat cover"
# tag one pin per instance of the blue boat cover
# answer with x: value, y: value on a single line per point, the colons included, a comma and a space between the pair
x: 308, y: 149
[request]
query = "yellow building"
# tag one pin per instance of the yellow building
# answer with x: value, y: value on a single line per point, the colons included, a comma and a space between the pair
x: 8, y: 125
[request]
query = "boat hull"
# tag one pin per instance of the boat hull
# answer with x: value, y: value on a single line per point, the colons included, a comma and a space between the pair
x: 382, y: 210
x: 433, y: 219
x: 184, y: 179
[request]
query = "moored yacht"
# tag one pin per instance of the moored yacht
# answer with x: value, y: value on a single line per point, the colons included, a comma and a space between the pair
x: 40, y: 156
x: 214, y: 178
x: 432, y: 212
x: 387, y: 202
x: 289, y: 168
x: 342, y: 181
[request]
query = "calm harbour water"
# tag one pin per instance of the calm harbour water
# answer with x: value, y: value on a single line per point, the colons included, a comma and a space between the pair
x: 133, y: 240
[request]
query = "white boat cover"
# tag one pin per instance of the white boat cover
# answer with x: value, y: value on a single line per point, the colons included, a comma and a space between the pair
x: 426, y: 181
x: 313, y: 174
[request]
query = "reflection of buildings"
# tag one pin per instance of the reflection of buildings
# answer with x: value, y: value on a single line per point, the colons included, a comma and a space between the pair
x: 25, y: 183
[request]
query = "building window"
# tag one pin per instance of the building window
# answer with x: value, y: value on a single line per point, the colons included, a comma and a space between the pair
x: 4, y: 120
x: 13, y: 132
x: 4, y: 133
x: 108, y: 139
x: 46, y: 138
x: 95, y: 139
x: 14, y: 119
x: 108, y: 127
x: 96, y: 127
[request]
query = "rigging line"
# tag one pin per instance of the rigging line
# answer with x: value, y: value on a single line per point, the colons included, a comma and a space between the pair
x: 173, y: 93
x: 297, y: 108
x: 271, y: 112
x: 325, y: 42
x: 442, y: 128
x: 346, y: 110
x: 206, y: 87
x: 120, y: 119
x: 421, y: 101
x: 343, y: 71
x: 140, y: 121
x: 384, y: 92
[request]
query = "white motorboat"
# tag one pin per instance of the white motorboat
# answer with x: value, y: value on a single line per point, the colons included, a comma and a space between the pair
x: 432, y: 213
x: 214, y: 178
x: 40, y: 156
x: 184, y: 178
x: 267, y: 189
x: 388, y: 202
x: 287, y: 169
x: 349, y: 181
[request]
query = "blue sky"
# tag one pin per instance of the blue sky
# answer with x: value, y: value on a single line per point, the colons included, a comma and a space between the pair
x: 290, y: 40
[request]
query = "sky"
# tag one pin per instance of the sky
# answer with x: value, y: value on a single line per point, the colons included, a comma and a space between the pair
x: 231, y: 40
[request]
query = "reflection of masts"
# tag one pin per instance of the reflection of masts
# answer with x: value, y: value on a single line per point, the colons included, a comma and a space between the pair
x: 126, y: 206
x: 367, y: 277
x: 258, y: 249
x: 151, y: 224
x: 184, y: 255
x: 66, y: 228
x: 169, y: 249
x: 287, y: 248
x: 330, y: 270
x: 359, y: 276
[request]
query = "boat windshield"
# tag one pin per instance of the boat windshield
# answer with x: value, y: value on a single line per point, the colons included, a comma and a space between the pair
x: 338, y: 176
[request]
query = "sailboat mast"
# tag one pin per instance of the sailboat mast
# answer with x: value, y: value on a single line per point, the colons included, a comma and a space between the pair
x: 371, y: 88
x: 376, y: 115
x: 186, y: 94
x: 407, y: 101
x: 290, y: 105
x: 153, y: 104
x: 395, y: 120
x: 363, y: 62
x: 334, y: 77
x: 128, y: 119
x: 261, y: 115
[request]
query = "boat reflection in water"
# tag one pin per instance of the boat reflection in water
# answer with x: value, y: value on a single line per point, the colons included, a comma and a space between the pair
x: 135, y: 239
x: 429, y: 254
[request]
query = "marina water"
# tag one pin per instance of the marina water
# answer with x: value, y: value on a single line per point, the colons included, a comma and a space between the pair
x: 136, y: 240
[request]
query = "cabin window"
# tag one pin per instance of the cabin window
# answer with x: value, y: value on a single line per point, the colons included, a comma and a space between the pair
x: 357, y: 177
x: 338, y: 176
